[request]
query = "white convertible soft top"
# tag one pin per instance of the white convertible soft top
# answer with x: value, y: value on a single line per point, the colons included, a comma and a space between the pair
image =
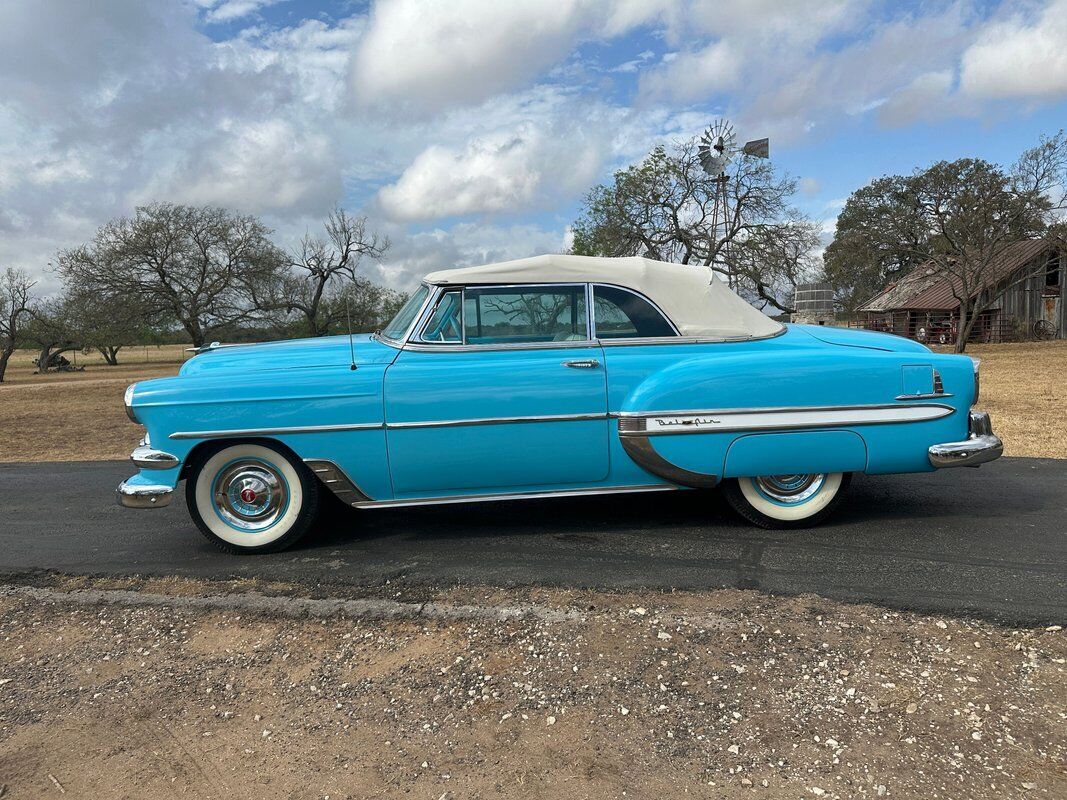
x: 697, y: 302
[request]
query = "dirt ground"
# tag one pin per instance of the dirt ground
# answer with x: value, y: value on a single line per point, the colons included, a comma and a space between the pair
x: 591, y: 695
x: 76, y: 416
x: 1024, y: 387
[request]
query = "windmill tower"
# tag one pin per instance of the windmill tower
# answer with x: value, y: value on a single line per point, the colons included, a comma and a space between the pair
x: 718, y: 147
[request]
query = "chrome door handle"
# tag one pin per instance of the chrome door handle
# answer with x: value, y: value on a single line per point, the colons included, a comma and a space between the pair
x: 585, y: 363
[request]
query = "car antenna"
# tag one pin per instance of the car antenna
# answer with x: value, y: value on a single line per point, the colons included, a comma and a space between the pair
x: 351, y: 341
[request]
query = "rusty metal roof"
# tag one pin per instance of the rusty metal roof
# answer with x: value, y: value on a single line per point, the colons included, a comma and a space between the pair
x: 925, y: 290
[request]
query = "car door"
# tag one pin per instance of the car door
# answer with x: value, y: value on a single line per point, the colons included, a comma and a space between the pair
x: 500, y: 389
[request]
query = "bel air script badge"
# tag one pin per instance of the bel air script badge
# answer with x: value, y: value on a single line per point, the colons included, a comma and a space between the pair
x: 697, y: 422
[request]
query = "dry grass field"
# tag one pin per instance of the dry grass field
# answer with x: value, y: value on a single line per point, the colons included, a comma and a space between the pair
x: 79, y: 417
x: 76, y: 416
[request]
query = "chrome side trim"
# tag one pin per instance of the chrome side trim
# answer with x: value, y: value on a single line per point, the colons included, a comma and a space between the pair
x: 481, y: 348
x: 226, y: 434
x: 460, y: 423
x: 980, y: 446
x: 663, y: 423
x: 336, y: 480
x: 640, y: 449
x: 488, y: 498
x: 928, y: 396
x: 145, y: 457
x: 140, y: 495
x: 659, y: 340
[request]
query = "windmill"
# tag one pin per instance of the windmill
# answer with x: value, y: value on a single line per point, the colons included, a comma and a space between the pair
x: 718, y: 147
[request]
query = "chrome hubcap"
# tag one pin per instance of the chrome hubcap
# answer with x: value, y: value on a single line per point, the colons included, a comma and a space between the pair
x: 250, y: 495
x: 790, y: 489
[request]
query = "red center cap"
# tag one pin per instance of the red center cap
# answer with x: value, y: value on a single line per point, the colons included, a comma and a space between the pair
x: 248, y: 495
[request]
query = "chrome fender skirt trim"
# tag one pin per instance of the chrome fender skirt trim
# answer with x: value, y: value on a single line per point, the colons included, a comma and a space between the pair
x: 665, y: 423
x: 142, y: 495
x: 640, y: 449
x: 336, y: 480
x: 980, y: 447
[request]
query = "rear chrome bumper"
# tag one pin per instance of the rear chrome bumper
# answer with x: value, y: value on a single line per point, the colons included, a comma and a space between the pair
x: 144, y: 495
x: 981, y: 446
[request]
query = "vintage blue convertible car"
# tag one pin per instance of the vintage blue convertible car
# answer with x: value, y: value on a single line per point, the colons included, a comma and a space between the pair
x: 546, y: 377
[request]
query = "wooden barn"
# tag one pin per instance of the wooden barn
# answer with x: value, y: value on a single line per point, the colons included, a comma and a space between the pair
x: 1029, y: 276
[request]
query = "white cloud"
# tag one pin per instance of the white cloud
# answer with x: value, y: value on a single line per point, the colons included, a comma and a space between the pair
x: 231, y: 10
x: 1021, y: 57
x: 463, y: 244
x: 507, y: 171
x: 421, y: 57
x: 927, y: 97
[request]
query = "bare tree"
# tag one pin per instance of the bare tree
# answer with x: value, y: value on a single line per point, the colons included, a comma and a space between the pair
x: 770, y: 262
x: 106, y: 322
x: 370, y: 305
x: 325, y: 268
x: 16, y: 302
x: 52, y: 331
x: 666, y: 206
x: 199, y: 266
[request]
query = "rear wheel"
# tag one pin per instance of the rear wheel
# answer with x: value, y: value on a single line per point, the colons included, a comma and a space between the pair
x: 787, y: 501
x: 251, y: 498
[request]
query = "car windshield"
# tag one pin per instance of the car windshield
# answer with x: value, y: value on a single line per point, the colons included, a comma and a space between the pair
x: 400, y: 323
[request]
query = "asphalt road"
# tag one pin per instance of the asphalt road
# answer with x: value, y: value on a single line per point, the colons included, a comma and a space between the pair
x: 990, y: 542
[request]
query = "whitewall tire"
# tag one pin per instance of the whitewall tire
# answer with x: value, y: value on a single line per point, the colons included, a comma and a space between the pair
x: 251, y: 497
x: 787, y: 501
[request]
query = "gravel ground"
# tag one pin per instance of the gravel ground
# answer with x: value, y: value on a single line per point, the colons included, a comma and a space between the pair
x: 583, y: 695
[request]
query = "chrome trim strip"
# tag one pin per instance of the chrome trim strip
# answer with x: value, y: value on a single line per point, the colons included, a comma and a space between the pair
x: 928, y: 396
x: 481, y: 348
x: 664, y: 423
x: 141, y: 495
x: 145, y: 457
x: 488, y: 498
x: 640, y: 449
x: 366, y: 426
x: 127, y: 402
x: 336, y: 480
x: 460, y: 423
x: 981, y: 446
x: 659, y: 340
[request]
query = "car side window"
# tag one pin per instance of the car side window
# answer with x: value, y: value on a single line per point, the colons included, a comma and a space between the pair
x: 519, y: 315
x: 445, y: 324
x: 620, y: 314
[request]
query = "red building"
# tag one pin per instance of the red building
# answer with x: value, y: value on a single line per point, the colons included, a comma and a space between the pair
x: 1027, y: 280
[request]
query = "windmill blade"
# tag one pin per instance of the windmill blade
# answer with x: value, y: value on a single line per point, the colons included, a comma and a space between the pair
x: 760, y: 148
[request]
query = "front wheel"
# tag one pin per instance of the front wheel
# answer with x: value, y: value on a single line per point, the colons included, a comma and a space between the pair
x: 787, y: 501
x: 251, y: 498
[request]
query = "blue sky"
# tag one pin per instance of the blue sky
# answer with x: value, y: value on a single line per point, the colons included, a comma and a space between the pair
x: 469, y: 130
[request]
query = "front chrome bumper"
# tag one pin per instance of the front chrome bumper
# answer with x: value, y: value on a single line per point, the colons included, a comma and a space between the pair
x: 144, y: 495
x: 981, y: 446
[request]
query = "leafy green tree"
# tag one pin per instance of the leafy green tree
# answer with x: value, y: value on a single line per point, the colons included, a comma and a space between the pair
x: 958, y: 218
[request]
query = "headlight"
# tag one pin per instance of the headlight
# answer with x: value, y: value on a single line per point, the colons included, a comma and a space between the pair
x: 977, y: 381
x: 127, y: 400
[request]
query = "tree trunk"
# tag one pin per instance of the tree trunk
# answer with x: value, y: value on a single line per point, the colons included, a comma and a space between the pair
x: 110, y: 354
x: 963, y: 331
x: 5, y: 356
x: 196, y: 333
